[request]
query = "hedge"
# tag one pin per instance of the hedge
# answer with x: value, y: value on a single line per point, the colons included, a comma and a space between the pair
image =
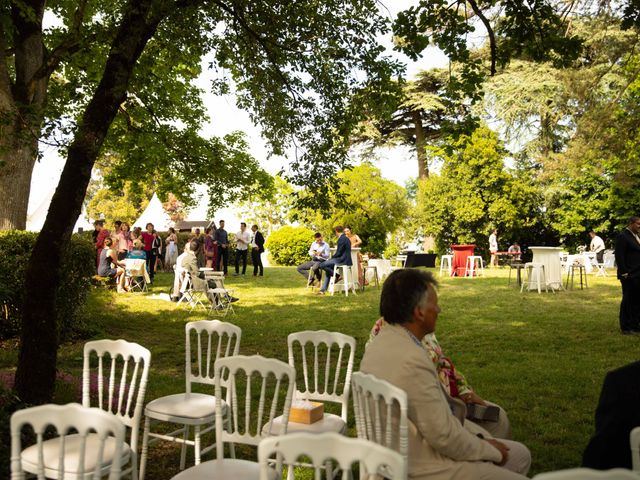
x: 78, y: 266
x: 290, y: 245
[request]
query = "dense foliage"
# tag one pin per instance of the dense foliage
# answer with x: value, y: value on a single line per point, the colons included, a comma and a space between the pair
x: 77, y: 269
x: 289, y: 245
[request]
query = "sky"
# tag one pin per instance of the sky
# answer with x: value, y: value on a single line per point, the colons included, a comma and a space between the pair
x: 398, y: 164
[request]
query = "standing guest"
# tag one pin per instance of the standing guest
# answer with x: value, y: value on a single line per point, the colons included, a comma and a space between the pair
x: 355, y: 243
x: 441, y: 444
x: 515, y: 249
x: 319, y: 252
x: 136, y: 233
x: 210, y: 249
x: 199, y: 237
x: 243, y: 239
x: 341, y: 257
x: 223, y: 247
x: 171, y: 251
x: 158, y: 249
x: 597, y: 246
x: 493, y: 248
x: 110, y: 266
x: 124, y: 241
x: 148, y: 237
x: 627, y: 252
x: 101, y: 236
x: 257, y: 247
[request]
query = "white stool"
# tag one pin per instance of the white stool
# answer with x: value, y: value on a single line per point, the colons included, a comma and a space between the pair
x: 474, y: 261
x: 347, y: 276
x: 535, y: 269
x: 446, y: 260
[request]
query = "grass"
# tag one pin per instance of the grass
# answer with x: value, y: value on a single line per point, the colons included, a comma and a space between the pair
x: 542, y: 357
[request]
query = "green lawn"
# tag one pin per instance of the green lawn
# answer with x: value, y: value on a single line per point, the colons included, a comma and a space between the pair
x: 542, y: 357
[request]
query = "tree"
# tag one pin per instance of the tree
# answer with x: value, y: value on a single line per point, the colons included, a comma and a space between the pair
x: 294, y: 64
x: 371, y: 205
x: 474, y: 193
x: 271, y: 208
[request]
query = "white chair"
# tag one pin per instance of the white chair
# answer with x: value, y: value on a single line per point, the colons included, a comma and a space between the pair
x: 634, y: 440
x: 118, y: 387
x: 213, y: 339
x: 220, y: 295
x: 474, y: 266
x: 373, y: 459
x: 381, y: 413
x: 88, y: 444
x: 323, y: 366
x: 136, y: 275
x: 398, y: 262
x: 245, y: 373
x: 349, y: 283
x: 535, y: 275
x: 193, y: 292
x: 445, y: 264
x: 589, y: 474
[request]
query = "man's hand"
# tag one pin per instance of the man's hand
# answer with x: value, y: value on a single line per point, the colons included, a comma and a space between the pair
x: 473, y: 397
x: 504, y: 450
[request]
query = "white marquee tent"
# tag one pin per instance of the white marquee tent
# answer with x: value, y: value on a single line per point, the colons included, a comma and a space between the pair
x: 154, y: 213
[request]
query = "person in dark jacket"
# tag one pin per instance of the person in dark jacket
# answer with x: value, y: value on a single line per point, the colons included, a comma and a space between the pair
x: 257, y: 247
x: 616, y: 415
x: 627, y: 251
x: 341, y: 257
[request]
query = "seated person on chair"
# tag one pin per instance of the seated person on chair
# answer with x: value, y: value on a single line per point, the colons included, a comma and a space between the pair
x: 442, y: 445
x: 190, y: 265
x: 341, y: 257
x: 138, y: 251
x: 319, y: 252
x: 110, y: 266
x: 515, y: 249
x: 454, y: 383
x: 597, y: 246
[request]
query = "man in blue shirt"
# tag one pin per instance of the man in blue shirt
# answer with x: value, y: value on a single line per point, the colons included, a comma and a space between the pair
x: 319, y: 252
x: 341, y: 257
x: 223, y: 248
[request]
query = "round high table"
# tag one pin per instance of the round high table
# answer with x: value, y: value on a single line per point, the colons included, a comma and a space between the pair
x: 550, y: 258
x: 459, y: 263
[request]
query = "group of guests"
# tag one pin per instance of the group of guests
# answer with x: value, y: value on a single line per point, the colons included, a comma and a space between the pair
x: 322, y: 261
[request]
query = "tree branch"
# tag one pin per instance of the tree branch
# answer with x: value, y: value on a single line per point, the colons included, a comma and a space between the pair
x: 492, y: 37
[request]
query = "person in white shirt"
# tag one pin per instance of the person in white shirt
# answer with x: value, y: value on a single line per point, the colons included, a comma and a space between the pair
x: 597, y: 246
x: 493, y: 248
x: 319, y: 252
x: 243, y: 239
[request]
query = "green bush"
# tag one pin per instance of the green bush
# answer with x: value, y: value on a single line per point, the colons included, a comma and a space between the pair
x: 290, y: 245
x: 78, y: 266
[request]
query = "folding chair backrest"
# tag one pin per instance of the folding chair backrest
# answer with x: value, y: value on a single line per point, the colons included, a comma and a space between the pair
x: 318, y: 448
x: 589, y: 474
x: 323, y: 366
x: 249, y: 376
x: 71, y: 419
x: 381, y: 412
x: 206, y: 342
x: 114, y: 378
x: 185, y: 283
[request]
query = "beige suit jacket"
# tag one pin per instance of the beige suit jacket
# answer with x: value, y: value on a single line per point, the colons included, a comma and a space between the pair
x: 439, y: 445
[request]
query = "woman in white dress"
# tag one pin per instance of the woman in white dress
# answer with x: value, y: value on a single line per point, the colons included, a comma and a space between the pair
x: 171, y: 253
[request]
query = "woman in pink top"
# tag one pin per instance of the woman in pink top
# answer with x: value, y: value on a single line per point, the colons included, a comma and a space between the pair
x: 125, y: 243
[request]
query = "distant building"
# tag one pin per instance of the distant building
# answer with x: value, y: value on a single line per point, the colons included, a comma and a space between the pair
x: 191, y: 225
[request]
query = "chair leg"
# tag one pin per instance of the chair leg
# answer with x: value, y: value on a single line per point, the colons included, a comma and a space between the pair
x: 183, y: 451
x: 145, y: 446
x: 196, y: 438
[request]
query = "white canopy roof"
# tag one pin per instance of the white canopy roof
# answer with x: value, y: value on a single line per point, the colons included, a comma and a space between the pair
x: 154, y: 213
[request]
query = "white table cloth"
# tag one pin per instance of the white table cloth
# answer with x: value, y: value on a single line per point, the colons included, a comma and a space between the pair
x: 580, y: 259
x: 550, y: 258
x: 136, y: 267
x: 383, y: 268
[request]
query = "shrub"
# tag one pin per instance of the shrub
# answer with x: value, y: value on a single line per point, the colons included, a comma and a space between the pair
x: 290, y: 245
x: 78, y: 266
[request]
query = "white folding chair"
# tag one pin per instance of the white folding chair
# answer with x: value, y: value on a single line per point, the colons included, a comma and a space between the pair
x: 221, y: 296
x: 634, y: 441
x: 135, y: 275
x: 398, y: 262
x: 274, y: 380
x: 212, y: 339
x: 381, y: 413
x: 324, y: 370
x: 88, y: 443
x: 589, y: 474
x: 375, y: 460
x: 193, y: 292
x: 118, y: 387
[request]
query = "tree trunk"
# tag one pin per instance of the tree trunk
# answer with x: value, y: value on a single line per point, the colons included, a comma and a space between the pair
x: 35, y: 376
x: 421, y: 143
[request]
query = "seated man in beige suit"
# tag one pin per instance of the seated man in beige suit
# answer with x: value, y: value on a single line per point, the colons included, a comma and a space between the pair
x: 441, y: 445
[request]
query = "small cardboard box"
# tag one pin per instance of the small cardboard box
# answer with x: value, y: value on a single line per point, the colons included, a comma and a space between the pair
x: 307, y: 415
